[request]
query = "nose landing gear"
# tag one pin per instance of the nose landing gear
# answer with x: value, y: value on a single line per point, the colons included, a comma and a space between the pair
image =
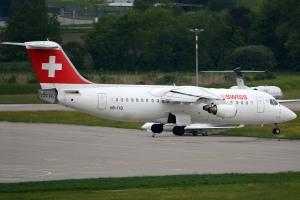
x: 276, y: 130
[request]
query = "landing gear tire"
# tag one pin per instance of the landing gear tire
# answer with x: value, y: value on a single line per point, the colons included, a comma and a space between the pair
x: 276, y: 131
x: 204, y: 133
x: 157, y: 128
x: 194, y: 133
x: 178, y: 130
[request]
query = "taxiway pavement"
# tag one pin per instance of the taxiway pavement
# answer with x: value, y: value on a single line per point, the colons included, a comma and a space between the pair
x: 35, y: 152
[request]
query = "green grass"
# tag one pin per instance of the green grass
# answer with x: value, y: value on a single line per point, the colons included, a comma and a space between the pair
x: 65, y: 118
x: 289, y: 130
x: 221, y: 186
x: 18, y: 89
x: 20, y: 99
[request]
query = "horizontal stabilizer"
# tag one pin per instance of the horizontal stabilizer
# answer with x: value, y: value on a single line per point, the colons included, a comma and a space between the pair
x: 35, y: 45
x: 14, y: 43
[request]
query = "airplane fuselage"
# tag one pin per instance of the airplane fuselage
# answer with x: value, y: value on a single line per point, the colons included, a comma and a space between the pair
x: 140, y: 103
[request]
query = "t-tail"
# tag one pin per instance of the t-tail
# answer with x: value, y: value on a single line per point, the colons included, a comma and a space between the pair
x: 53, y: 68
x: 239, y: 78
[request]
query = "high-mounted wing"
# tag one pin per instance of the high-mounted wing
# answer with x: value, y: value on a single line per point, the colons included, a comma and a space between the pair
x: 189, y: 94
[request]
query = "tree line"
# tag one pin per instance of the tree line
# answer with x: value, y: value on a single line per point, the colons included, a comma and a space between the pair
x: 158, y: 38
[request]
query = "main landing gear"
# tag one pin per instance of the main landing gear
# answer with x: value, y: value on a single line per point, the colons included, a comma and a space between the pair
x: 156, y: 128
x: 178, y: 130
x: 276, y: 130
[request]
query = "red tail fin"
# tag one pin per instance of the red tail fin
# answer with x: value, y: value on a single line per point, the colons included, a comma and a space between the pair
x: 51, y: 64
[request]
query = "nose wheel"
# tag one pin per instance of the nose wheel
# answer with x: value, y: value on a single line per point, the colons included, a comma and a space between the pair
x: 276, y: 130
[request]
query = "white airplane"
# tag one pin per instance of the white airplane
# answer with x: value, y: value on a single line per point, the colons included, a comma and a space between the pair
x: 275, y: 91
x: 179, y: 106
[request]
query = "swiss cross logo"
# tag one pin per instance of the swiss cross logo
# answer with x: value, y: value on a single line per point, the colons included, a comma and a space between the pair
x: 51, y: 66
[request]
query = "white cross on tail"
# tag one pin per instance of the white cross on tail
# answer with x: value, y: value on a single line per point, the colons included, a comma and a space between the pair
x: 51, y: 66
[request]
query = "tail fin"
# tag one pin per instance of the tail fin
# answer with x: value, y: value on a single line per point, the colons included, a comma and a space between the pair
x: 239, y: 78
x: 52, y: 66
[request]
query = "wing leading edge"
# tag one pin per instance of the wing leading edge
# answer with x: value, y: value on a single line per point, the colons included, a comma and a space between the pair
x: 189, y: 94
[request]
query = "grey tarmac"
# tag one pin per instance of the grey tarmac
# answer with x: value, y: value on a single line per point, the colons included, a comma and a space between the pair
x: 38, y: 152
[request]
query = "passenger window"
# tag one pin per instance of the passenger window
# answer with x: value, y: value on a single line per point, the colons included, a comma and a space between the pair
x: 117, y: 99
x: 237, y: 102
x: 142, y: 100
x: 132, y: 100
x: 157, y: 100
x: 137, y: 100
x: 147, y: 100
x: 121, y: 99
x: 246, y: 102
x: 152, y: 100
x: 242, y: 102
x: 127, y: 99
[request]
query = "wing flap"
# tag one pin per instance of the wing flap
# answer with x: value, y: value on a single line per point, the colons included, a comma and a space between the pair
x: 189, y: 94
x: 210, y: 127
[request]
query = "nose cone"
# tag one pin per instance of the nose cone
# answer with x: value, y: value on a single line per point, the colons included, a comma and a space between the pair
x: 287, y: 114
x: 293, y: 115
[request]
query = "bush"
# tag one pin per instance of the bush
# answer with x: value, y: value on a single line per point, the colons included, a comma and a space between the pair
x: 263, y: 76
x: 12, y: 79
x: 166, y: 80
x: 254, y: 57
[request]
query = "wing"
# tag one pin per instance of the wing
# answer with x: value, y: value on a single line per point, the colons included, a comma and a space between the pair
x: 189, y: 94
x: 192, y: 127
x: 201, y: 126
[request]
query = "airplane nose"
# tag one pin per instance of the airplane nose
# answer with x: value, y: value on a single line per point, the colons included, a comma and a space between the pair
x: 289, y: 115
x: 293, y: 115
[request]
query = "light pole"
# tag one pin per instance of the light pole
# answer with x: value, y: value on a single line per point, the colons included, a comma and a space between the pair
x: 196, y: 31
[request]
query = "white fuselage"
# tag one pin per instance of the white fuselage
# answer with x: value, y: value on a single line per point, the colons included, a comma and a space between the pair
x: 140, y: 103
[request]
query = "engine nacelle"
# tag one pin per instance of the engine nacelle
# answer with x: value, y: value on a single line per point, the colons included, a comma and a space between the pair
x: 221, y: 110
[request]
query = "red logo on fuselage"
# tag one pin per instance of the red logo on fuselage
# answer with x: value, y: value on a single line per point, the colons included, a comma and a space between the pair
x: 236, y: 96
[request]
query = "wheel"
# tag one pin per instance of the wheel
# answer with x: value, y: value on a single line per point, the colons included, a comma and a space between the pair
x: 178, y: 130
x: 157, y: 128
x: 276, y: 131
x: 195, y: 133
x: 204, y: 133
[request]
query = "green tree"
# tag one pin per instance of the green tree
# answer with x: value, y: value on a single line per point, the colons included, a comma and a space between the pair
x: 217, y: 39
x: 143, y: 4
x: 76, y: 52
x: 158, y: 40
x: 102, y: 43
x: 218, y: 5
x: 278, y: 27
x: 29, y: 22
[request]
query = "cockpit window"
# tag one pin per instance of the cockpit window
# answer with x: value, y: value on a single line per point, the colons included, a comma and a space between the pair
x: 273, y: 102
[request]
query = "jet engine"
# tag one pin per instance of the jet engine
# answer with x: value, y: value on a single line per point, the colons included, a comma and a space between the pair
x: 221, y: 110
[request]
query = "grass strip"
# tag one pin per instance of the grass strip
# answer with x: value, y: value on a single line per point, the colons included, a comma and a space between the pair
x: 21, y: 99
x: 219, y: 186
x: 289, y: 130
x: 62, y: 117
